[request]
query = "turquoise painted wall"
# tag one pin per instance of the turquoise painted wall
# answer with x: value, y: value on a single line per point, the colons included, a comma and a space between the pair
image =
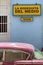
x: 29, y: 32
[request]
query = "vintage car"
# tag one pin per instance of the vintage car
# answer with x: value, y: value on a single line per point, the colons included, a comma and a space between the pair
x: 20, y: 54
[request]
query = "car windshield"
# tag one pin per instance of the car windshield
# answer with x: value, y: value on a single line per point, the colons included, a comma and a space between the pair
x: 38, y: 54
x: 13, y: 55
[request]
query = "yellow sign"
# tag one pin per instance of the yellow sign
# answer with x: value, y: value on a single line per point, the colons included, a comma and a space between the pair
x: 26, y: 19
x: 26, y: 9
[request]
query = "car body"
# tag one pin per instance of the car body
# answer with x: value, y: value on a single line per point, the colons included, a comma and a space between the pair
x: 19, y: 54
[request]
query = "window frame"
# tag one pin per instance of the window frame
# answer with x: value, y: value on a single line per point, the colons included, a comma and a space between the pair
x: 3, y: 24
x: 12, y: 50
x: 18, y: 52
x: 3, y: 58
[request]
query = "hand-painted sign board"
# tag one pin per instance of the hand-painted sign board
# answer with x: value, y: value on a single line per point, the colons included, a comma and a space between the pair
x: 26, y: 19
x: 31, y: 9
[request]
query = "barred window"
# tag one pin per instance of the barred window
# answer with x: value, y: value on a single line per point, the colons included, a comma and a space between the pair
x: 3, y: 24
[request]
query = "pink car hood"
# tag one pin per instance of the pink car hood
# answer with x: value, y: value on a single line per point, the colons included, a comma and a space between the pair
x: 20, y: 46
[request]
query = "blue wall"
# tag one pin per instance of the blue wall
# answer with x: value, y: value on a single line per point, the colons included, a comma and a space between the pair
x: 42, y: 23
x: 29, y: 32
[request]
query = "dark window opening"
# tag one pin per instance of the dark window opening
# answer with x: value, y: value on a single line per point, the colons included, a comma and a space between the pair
x: 1, y: 56
x: 3, y: 24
